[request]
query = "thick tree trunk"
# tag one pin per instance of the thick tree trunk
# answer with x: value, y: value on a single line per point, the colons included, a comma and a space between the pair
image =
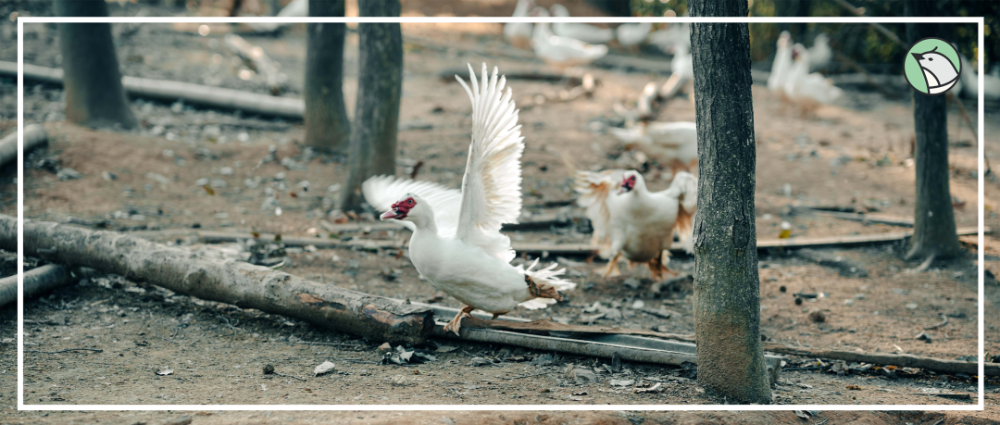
x: 934, y: 216
x: 233, y: 282
x: 93, y: 82
x: 376, y: 116
x: 327, y: 126
x: 727, y: 305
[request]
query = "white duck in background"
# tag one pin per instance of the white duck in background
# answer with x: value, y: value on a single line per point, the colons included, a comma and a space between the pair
x: 682, y: 68
x: 632, y: 35
x: 676, y: 33
x: 673, y: 144
x: 808, y: 90
x: 518, y: 34
x: 782, y: 65
x: 562, y: 52
x: 631, y: 221
x: 970, y: 81
x: 456, y: 242
x: 820, y: 53
x: 583, y: 32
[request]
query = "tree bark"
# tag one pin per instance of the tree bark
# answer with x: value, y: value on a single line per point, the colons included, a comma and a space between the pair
x: 376, y: 116
x: 40, y: 280
x: 93, y: 82
x: 327, y: 126
x: 934, y: 216
x: 234, y: 282
x: 726, y: 288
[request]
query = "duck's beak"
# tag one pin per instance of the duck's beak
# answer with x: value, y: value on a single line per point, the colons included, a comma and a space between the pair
x: 389, y: 215
x: 918, y: 56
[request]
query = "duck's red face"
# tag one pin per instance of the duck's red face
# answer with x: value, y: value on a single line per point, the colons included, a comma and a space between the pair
x: 628, y: 183
x: 400, y: 209
x: 795, y: 53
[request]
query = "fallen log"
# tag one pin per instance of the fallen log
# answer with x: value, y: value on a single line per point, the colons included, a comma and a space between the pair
x: 170, y: 91
x: 863, y: 218
x: 234, y: 282
x: 34, y: 136
x: 40, y: 280
x: 899, y: 360
x: 597, y: 341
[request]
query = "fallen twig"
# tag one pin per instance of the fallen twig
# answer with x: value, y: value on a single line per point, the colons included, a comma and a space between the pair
x: 931, y: 327
x: 39, y: 280
x: 288, y: 376
x: 527, y: 376
x: 65, y: 351
x: 899, y: 360
x: 34, y: 136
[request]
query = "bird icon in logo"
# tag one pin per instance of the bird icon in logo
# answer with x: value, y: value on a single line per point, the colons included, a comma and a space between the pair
x: 939, y: 72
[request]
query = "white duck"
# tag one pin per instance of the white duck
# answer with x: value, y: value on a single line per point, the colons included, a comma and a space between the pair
x: 808, y: 90
x: 632, y: 35
x: 820, y: 53
x: 674, y: 144
x: 583, y: 32
x: 518, y: 34
x: 970, y: 81
x: 633, y: 222
x: 782, y: 65
x: 456, y: 241
x: 562, y: 52
x: 675, y: 34
x: 682, y: 72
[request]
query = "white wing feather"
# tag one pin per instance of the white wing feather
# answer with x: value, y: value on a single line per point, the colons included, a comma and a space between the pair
x: 491, y: 187
x: 594, y: 189
x: 382, y: 191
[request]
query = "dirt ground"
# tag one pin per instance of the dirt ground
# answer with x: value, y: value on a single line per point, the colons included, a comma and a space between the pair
x: 852, y: 154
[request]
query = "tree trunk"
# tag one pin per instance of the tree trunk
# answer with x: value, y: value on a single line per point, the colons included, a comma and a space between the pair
x: 93, y: 82
x: 726, y: 289
x: 234, y: 282
x: 934, y: 216
x: 327, y: 126
x: 376, y: 116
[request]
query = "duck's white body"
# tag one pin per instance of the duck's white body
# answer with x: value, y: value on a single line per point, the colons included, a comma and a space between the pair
x: 670, y: 143
x: 633, y: 222
x: 563, y: 52
x: 970, y: 82
x: 629, y: 35
x: 809, y: 90
x: 518, y: 34
x: 667, y: 40
x: 456, y: 242
x: 820, y: 53
x: 583, y: 32
x: 782, y: 65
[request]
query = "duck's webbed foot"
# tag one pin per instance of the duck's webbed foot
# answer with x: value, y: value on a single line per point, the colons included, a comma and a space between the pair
x: 455, y: 324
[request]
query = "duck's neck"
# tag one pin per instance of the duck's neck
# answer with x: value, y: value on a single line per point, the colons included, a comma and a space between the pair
x: 425, y: 226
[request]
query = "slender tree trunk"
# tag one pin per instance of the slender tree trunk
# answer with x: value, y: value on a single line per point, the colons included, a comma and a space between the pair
x: 93, y: 82
x: 934, y: 217
x: 727, y: 305
x: 376, y: 116
x: 327, y: 126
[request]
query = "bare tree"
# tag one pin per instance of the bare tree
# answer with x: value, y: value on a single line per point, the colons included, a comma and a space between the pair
x: 327, y: 126
x: 93, y: 82
x: 934, y: 217
x: 727, y: 289
x: 376, y: 114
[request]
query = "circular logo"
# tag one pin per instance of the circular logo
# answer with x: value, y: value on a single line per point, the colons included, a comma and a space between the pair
x: 932, y: 66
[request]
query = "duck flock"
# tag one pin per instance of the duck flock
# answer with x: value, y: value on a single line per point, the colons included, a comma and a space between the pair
x: 456, y: 243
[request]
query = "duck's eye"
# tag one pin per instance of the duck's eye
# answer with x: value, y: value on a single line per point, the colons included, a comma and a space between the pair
x: 930, y: 59
x: 410, y: 202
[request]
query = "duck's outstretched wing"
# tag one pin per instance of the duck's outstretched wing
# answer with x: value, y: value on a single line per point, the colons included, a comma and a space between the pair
x: 594, y: 189
x: 491, y: 187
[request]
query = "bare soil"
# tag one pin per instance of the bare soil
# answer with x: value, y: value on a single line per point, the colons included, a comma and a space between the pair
x: 853, y: 153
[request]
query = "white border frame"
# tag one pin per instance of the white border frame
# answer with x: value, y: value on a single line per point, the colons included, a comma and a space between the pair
x: 532, y: 407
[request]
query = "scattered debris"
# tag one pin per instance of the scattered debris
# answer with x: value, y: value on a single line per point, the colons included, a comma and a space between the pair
x: 165, y: 372
x: 844, y: 266
x: 324, y: 368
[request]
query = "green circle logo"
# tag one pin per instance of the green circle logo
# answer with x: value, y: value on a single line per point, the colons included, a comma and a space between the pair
x: 932, y: 66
